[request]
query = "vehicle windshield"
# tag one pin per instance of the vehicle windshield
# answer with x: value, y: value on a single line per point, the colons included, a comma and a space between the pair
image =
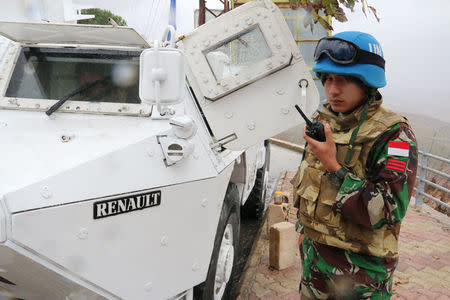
x: 52, y: 73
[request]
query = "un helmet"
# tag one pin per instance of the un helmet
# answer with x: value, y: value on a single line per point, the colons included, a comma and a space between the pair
x: 371, y: 75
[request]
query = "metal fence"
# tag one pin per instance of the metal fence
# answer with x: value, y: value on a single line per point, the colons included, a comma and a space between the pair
x: 422, y: 179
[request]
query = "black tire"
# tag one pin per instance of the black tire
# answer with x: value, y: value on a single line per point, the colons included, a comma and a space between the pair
x: 256, y: 201
x: 230, y: 215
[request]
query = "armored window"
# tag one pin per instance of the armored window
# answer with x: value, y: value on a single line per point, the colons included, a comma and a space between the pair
x: 237, y: 53
x: 93, y: 75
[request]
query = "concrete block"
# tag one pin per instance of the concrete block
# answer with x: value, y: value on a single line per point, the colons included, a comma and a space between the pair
x: 282, y: 245
x: 276, y: 213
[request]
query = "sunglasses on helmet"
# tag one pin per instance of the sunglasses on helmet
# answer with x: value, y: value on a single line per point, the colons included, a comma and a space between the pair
x: 344, y: 52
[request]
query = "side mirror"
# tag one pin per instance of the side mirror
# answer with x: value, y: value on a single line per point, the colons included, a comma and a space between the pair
x: 162, y: 76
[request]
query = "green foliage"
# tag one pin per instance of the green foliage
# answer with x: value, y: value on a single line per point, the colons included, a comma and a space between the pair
x: 101, y: 17
x: 332, y: 8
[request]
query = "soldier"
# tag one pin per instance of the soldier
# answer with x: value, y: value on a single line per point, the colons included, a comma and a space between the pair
x: 353, y: 189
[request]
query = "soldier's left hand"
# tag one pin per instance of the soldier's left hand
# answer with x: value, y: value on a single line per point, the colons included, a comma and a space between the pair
x: 325, y: 151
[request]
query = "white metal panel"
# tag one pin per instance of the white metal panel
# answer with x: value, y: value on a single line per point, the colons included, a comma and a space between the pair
x: 33, y: 280
x: 153, y: 253
x: 4, y: 44
x: 139, y: 166
x: 263, y: 110
x: 35, y: 148
x: 2, y: 220
x: 50, y: 33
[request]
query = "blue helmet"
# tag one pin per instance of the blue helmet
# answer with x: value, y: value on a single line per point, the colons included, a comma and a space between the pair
x: 370, y: 74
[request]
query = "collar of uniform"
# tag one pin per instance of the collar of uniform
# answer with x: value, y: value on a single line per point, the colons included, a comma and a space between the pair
x: 350, y: 120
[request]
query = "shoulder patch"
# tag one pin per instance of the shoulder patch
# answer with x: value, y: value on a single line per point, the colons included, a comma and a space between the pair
x: 397, y: 156
x: 398, y: 148
x: 396, y: 165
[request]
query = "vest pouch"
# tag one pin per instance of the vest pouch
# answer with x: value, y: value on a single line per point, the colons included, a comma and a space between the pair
x: 327, y: 198
x: 342, y: 153
x: 308, y: 191
x: 296, y: 183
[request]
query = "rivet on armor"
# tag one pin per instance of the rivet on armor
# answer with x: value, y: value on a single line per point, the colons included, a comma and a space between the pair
x: 195, y: 267
x: 204, y: 202
x: 46, y: 193
x: 228, y: 115
x: 285, y: 110
x: 83, y: 234
x: 251, y: 126
x: 164, y: 241
x: 150, y: 152
x: 148, y: 286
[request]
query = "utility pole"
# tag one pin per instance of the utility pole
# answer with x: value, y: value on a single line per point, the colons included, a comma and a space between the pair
x: 202, y: 10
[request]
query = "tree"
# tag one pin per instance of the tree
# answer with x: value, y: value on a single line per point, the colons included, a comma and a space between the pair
x: 330, y: 8
x: 101, y: 17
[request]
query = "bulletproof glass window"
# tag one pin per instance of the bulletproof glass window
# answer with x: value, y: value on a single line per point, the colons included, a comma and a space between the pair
x: 237, y: 53
x: 53, y: 73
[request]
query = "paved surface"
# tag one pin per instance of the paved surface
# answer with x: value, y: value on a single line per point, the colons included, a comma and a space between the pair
x: 423, y: 271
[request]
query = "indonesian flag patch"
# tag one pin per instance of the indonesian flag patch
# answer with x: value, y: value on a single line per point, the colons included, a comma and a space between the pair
x: 398, y: 148
x: 398, y: 154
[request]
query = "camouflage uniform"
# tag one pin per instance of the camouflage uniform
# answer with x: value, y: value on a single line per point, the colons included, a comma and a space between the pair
x: 351, y: 246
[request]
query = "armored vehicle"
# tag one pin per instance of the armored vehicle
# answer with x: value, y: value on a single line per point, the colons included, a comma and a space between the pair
x: 124, y: 164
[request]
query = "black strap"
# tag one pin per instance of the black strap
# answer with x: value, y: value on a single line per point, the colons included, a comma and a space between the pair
x: 367, y: 57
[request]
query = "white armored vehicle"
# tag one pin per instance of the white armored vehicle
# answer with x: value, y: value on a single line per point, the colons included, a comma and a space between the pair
x: 124, y: 165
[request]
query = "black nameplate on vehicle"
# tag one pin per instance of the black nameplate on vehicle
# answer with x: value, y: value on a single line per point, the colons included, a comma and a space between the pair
x: 117, y: 206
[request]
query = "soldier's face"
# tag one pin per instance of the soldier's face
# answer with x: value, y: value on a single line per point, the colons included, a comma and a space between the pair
x: 344, y: 95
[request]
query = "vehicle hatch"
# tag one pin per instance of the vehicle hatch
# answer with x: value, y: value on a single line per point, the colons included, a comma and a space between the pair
x: 247, y: 74
x: 47, y: 33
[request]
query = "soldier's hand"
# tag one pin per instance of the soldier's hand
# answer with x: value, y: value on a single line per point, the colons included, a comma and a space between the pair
x: 325, y: 151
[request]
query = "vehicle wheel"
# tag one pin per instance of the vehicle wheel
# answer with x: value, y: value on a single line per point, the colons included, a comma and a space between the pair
x: 217, y: 285
x: 256, y: 202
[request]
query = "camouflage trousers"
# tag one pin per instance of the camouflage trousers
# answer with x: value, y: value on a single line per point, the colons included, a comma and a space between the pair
x: 333, y: 273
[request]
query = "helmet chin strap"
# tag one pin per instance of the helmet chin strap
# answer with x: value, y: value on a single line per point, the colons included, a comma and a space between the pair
x: 371, y: 94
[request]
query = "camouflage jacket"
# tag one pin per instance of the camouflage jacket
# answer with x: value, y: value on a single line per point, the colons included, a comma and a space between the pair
x: 363, y: 214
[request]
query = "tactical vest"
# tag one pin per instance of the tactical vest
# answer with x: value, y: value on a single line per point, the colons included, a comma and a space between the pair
x: 315, y: 194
